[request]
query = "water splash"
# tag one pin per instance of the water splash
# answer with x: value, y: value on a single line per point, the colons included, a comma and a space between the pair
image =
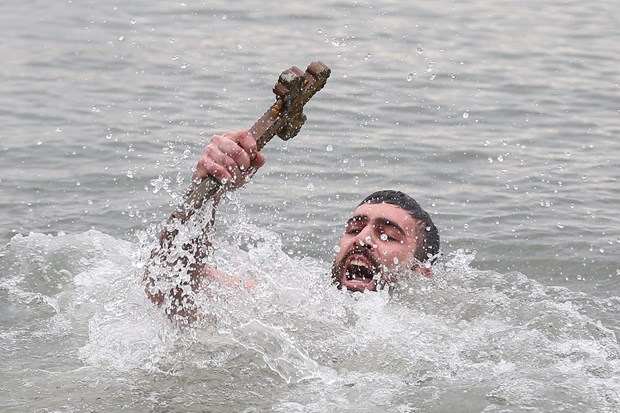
x: 507, y: 340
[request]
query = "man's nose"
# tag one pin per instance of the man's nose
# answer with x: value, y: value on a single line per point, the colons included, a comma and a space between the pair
x: 365, y: 239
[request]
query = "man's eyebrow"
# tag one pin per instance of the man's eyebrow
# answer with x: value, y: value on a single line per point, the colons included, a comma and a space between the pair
x: 357, y: 218
x: 386, y: 222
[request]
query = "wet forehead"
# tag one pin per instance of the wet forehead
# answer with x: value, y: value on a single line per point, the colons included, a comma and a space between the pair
x: 389, y: 212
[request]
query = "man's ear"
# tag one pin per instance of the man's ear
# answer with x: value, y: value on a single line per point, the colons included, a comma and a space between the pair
x: 423, y: 270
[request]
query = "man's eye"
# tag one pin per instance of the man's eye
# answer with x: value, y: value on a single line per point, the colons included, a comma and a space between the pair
x: 386, y: 237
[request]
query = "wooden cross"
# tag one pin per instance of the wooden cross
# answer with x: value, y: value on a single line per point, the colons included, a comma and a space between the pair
x: 284, y: 118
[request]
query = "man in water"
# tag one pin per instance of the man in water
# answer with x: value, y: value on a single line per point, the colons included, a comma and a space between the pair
x: 387, y: 234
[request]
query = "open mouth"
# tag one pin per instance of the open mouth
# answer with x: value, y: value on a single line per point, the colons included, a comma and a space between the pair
x: 359, y: 270
x: 359, y: 273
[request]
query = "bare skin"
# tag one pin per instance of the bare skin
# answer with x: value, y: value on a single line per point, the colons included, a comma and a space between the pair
x: 232, y: 158
x: 378, y: 238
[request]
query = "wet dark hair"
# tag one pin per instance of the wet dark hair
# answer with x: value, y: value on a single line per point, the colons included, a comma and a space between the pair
x: 430, y: 240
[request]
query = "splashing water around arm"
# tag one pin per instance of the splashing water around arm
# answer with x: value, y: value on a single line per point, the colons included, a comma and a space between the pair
x: 231, y: 158
x: 178, y: 267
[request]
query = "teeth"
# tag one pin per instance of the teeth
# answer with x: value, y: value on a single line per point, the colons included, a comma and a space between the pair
x: 359, y: 263
x: 359, y: 270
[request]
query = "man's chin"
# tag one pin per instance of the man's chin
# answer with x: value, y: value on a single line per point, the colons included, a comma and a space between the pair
x: 358, y: 285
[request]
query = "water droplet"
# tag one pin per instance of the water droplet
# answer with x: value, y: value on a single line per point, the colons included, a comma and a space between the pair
x: 560, y: 226
x: 383, y: 237
x: 336, y: 248
x: 433, y: 76
x: 310, y: 186
x: 335, y: 42
x: 490, y: 160
x: 430, y: 67
x: 176, y: 57
x: 39, y: 143
x: 184, y: 65
x: 320, y: 31
x: 329, y: 148
x: 395, y: 261
x: 132, y: 21
x: 240, y: 46
x: 129, y: 174
x: 121, y: 38
x: 419, y: 49
x: 500, y: 158
x: 465, y: 115
x: 410, y: 76
x: 344, y: 75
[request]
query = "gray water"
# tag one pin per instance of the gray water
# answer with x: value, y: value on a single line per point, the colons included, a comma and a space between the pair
x: 499, y: 117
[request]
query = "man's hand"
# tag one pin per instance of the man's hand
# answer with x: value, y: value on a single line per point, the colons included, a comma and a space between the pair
x: 231, y: 158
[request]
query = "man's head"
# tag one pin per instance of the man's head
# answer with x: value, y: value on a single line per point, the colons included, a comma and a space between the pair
x: 387, y: 232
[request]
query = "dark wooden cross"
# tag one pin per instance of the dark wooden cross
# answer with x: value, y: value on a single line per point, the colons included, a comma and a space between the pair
x: 284, y: 118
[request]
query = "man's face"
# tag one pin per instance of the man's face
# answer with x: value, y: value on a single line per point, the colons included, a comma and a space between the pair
x: 377, y: 238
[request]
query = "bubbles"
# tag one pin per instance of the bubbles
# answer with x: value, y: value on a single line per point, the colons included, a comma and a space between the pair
x: 310, y: 187
x: 159, y: 184
x: 383, y: 237
x: 410, y: 76
x: 465, y: 115
x: 329, y: 148
x: 132, y: 21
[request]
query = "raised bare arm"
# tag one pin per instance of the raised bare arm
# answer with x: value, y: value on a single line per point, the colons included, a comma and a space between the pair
x: 227, y: 163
